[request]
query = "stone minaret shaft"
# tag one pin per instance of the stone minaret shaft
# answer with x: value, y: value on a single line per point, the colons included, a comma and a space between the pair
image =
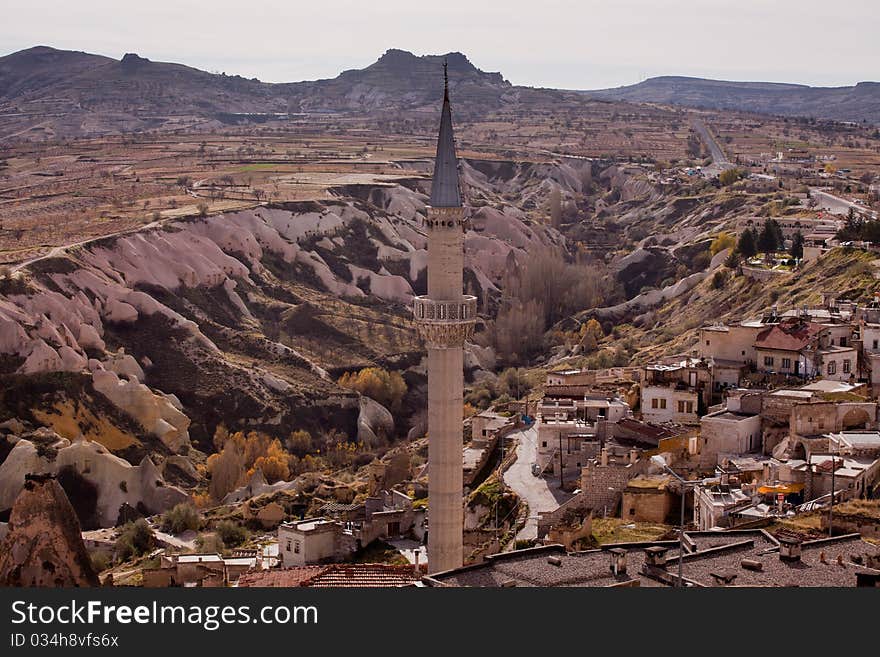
x: 445, y: 319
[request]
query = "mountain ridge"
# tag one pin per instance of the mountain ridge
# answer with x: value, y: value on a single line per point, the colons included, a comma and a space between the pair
x: 50, y: 93
x: 854, y: 103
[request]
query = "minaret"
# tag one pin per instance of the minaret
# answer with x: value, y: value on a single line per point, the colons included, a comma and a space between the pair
x: 445, y: 320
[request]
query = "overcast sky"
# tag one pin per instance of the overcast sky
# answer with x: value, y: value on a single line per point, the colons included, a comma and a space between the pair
x: 585, y: 44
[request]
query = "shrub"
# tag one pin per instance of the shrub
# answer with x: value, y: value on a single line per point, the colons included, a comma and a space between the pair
x: 181, y: 518
x: 210, y: 543
x: 136, y: 539
x: 721, y: 242
x: 100, y: 561
x: 231, y: 534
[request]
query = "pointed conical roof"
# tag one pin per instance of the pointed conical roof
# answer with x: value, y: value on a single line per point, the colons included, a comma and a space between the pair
x: 445, y: 188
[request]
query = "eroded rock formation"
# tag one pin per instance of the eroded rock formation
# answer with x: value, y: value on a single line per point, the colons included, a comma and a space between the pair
x: 44, y: 545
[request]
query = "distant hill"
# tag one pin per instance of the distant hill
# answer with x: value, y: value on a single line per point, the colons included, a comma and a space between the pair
x: 858, y: 103
x: 46, y: 92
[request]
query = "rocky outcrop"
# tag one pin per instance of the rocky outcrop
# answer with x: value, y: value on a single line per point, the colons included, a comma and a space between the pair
x: 114, y: 480
x: 44, y: 546
x: 157, y: 413
x: 374, y: 420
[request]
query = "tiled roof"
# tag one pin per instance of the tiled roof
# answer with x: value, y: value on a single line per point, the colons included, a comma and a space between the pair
x: 343, y: 575
x: 787, y: 336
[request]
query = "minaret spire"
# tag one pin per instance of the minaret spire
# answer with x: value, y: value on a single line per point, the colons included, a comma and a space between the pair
x: 445, y: 189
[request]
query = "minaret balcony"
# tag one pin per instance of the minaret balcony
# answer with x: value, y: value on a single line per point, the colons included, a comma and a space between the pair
x: 436, y: 311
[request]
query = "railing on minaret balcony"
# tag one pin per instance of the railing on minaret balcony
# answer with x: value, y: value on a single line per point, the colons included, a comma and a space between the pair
x: 445, y: 323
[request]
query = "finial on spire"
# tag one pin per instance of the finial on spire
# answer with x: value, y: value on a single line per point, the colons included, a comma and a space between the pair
x: 445, y: 80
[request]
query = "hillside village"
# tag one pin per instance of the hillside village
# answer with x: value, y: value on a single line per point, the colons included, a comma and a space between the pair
x: 214, y: 378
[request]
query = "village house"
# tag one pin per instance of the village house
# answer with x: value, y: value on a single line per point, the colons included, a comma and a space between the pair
x: 201, y: 570
x: 734, y: 343
x: 676, y: 390
x: 735, y: 429
x: 782, y: 348
x: 569, y: 441
x: 647, y: 498
x: 488, y: 428
x: 322, y: 540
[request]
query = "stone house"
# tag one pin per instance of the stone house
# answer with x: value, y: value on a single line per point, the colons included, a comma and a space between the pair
x: 199, y: 570
x: 323, y: 540
x: 728, y: 431
x: 782, y: 348
x: 734, y: 343
x: 647, y: 499
x: 317, y: 540
x: 604, y: 478
x: 677, y: 391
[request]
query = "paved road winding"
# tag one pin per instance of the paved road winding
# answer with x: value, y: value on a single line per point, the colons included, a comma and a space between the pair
x: 533, y: 490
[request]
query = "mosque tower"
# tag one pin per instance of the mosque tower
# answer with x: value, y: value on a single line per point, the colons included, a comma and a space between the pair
x: 445, y: 319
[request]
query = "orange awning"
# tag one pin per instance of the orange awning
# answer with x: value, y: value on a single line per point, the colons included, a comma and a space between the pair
x: 781, y: 488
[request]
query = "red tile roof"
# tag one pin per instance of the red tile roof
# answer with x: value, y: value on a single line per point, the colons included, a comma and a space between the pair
x: 348, y: 575
x: 788, y: 336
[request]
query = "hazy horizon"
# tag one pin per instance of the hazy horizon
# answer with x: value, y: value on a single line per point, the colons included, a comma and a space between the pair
x: 556, y: 45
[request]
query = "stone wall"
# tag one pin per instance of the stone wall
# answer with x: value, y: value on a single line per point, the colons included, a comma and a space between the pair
x: 646, y: 505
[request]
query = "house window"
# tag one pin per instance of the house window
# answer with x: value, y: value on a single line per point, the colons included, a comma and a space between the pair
x: 768, y: 361
x: 786, y: 363
x: 288, y: 545
x: 296, y: 547
x: 690, y: 407
x: 543, y: 443
x: 876, y: 345
x: 707, y: 343
x: 846, y: 366
x: 681, y: 407
x: 655, y: 403
x: 832, y: 367
x: 842, y: 342
x: 662, y: 403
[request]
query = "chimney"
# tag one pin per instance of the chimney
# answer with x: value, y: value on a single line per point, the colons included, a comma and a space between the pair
x: 603, y: 456
x: 418, y: 570
x: 656, y: 556
x: 790, y: 549
x: 765, y: 472
x: 633, y: 455
x: 752, y: 564
x: 618, y: 561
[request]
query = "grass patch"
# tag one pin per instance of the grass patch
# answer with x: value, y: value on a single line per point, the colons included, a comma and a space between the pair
x: 616, y: 530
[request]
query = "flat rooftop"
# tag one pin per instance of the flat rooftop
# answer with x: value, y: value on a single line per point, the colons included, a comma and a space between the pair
x: 709, y: 554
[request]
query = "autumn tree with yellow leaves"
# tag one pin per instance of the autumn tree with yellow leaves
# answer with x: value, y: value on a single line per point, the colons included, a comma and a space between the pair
x: 387, y: 388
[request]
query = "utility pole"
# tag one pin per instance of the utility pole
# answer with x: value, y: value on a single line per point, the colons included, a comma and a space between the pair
x: 560, y: 460
x: 831, y: 505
